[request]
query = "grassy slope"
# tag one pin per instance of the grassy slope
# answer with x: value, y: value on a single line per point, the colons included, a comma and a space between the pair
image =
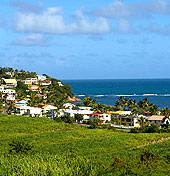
x: 53, y: 142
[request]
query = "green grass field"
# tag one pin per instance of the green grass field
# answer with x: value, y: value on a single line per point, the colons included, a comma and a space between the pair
x: 65, y: 149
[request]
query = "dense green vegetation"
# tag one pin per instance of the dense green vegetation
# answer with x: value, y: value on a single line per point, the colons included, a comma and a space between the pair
x: 54, y: 93
x: 67, y: 149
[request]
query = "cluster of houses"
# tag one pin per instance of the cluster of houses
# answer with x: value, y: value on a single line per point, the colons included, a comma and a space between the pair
x: 123, y: 119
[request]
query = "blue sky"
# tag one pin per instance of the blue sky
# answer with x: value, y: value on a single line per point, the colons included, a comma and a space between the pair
x: 99, y: 39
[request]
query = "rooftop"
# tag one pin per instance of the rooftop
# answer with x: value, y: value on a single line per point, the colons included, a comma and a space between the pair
x: 156, y: 117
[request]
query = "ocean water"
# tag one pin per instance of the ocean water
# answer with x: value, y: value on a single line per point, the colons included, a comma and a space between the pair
x: 107, y: 91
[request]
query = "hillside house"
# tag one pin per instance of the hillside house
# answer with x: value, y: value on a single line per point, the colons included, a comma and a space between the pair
x: 128, y: 121
x: 68, y: 105
x: 30, y: 81
x: 9, y: 82
x: 33, y: 87
x: 9, y: 91
x: 41, y: 77
x: 45, y: 82
x: 123, y: 113
x: 85, y: 113
x: 157, y: 120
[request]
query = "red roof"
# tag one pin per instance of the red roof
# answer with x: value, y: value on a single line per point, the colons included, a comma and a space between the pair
x: 45, y: 81
x: 96, y: 113
x: 156, y: 117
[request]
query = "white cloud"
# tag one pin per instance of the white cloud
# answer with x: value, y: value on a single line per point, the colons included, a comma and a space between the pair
x: 25, y: 6
x: 51, y: 21
x: 31, y: 40
x: 158, y: 29
x: 124, y: 26
x: 139, y: 9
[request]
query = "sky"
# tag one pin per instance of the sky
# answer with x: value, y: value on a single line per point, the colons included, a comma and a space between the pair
x: 87, y: 39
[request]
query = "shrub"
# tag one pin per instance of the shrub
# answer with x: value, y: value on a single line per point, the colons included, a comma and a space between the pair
x: 92, y: 124
x: 147, y: 156
x: 133, y: 130
x: 58, y: 119
x: 19, y: 147
x: 151, y: 129
x: 117, y: 163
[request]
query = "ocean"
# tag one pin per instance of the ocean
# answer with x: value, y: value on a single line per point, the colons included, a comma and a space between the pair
x: 107, y: 91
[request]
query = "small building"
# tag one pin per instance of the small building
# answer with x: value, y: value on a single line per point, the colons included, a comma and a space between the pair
x: 30, y: 81
x: 128, y: 121
x: 157, y: 120
x: 27, y: 110
x: 47, y: 108
x: 9, y: 83
x: 42, y: 95
x: 102, y: 116
x: 33, y: 87
x: 60, y: 84
x: 68, y: 105
x: 41, y: 77
x: 45, y: 82
x: 120, y: 112
x: 85, y: 113
x: 9, y: 91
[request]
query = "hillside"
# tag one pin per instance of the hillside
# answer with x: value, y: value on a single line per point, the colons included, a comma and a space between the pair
x: 36, y: 88
x: 66, y: 149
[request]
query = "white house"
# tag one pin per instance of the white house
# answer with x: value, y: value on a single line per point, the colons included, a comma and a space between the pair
x: 86, y: 113
x: 120, y: 113
x: 85, y: 108
x: 60, y: 84
x: 9, y: 91
x: 45, y: 82
x: 32, y: 111
x: 47, y: 108
x: 157, y: 120
x: 102, y: 116
x: 9, y: 82
x: 68, y: 105
x: 41, y: 77
x: 27, y: 110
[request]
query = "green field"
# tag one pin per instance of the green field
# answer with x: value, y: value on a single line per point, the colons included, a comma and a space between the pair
x: 65, y: 149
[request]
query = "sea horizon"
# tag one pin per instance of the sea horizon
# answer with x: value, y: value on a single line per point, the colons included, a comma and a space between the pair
x: 107, y: 91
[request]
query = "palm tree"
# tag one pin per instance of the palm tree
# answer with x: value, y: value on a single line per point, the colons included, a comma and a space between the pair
x: 10, y: 107
x: 141, y: 121
x: 119, y: 102
x: 165, y: 111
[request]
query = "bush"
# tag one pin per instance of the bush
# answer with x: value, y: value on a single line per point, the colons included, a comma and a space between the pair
x: 134, y: 130
x: 19, y: 147
x: 58, y: 119
x: 147, y: 157
x: 151, y: 129
x: 92, y: 124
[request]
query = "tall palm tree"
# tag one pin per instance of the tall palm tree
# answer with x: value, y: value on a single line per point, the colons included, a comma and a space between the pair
x: 141, y: 121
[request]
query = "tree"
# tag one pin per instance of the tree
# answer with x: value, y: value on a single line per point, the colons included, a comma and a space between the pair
x: 141, y: 121
x: 119, y: 102
x: 10, y: 107
x: 78, y: 117
x: 88, y: 101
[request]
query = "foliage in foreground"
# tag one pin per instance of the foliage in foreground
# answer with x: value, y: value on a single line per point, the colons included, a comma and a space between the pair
x: 74, y: 164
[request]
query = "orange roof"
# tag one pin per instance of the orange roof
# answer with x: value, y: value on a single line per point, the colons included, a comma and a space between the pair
x: 19, y: 106
x: 156, y: 117
x: 45, y: 106
x: 41, y: 104
x: 32, y: 87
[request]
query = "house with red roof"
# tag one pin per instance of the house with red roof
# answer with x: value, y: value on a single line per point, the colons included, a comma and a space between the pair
x: 45, y: 82
x: 157, y: 120
x: 33, y: 87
